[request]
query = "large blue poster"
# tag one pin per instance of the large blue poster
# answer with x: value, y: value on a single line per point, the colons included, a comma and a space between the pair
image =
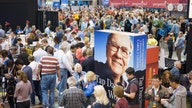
x: 116, y: 51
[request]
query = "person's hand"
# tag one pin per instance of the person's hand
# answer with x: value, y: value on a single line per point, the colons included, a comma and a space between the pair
x: 190, y: 81
x: 157, y: 98
x: 59, y: 78
x: 150, y: 92
x: 89, y: 106
x: 170, y: 90
x: 7, y: 75
x: 163, y: 101
x: 81, y: 78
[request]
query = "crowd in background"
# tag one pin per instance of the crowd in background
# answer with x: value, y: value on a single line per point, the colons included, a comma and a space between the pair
x: 36, y: 62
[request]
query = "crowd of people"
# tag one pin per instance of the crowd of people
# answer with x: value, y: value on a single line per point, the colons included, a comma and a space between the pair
x: 63, y: 59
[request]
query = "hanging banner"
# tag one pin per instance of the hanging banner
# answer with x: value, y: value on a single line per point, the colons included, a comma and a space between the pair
x: 190, y: 9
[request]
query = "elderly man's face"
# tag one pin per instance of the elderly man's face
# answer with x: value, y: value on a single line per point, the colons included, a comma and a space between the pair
x: 118, y: 53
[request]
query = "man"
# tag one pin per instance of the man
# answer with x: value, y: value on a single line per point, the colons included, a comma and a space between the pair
x: 49, y: 66
x: 175, y: 69
x: 72, y: 97
x: 155, y: 92
x: 38, y: 53
x: 2, y: 32
x: 12, y: 53
x: 132, y: 90
x: 45, y: 44
x: 118, y: 52
x: 88, y: 63
x: 179, y: 45
x: 178, y: 99
x: 64, y: 67
x: 21, y: 66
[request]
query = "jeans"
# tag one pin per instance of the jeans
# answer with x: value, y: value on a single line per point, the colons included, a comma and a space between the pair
x: 63, y: 83
x: 37, y: 92
x: 48, y: 83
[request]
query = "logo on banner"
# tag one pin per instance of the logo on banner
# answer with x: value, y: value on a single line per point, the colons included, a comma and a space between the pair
x: 180, y: 7
x: 170, y: 7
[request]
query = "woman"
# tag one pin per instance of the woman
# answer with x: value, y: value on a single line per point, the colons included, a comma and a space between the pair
x: 89, y: 83
x: 165, y: 78
x: 101, y: 98
x: 23, y: 90
x: 79, y: 74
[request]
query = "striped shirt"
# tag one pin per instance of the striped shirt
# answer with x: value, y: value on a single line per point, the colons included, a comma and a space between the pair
x: 48, y: 65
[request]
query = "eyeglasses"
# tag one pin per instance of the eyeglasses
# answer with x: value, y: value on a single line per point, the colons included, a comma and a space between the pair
x: 115, y: 47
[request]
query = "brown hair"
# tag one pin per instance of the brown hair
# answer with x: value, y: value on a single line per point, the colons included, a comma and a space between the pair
x: 118, y: 91
x: 22, y: 76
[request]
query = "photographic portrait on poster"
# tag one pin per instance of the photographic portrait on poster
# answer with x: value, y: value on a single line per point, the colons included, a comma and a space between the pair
x: 116, y: 51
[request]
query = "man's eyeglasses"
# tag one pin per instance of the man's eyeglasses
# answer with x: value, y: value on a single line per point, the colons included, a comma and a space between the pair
x: 115, y: 47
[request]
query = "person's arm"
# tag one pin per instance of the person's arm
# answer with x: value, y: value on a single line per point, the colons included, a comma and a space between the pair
x: 89, y: 90
x: 148, y: 93
x: 67, y: 65
x: 58, y: 74
x: 131, y: 95
x: 133, y: 90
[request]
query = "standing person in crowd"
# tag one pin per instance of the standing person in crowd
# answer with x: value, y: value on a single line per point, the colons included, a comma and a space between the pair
x: 64, y: 66
x: 23, y: 90
x: 45, y: 44
x: 10, y: 86
x: 38, y: 53
x: 189, y: 87
x: 121, y: 102
x: 175, y: 69
x: 170, y: 43
x: 89, y: 83
x: 88, y: 63
x: 71, y: 55
x: 13, y: 38
x: 25, y: 68
x: 2, y: 32
x: 175, y: 29
x: 165, y: 78
x: 49, y: 66
x: 12, y: 52
x: 101, y: 98
x: 132, y: 90
x: 179, y: 45
x: 5, y: 43
x: 36, y: 80
x: 72, y: 97
x: 151, y: 40
x: 155, y: 92
x: 79, y: 75
x: 178, y: 99
x: 127, y: 26
x: 24, y: 56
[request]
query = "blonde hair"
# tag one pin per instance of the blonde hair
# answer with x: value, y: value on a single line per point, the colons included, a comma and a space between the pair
x: 100, y: 95
x: 90, y: 76
x: 76, y: 65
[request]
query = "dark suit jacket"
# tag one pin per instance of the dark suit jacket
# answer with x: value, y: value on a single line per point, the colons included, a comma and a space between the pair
x: 88, y: 64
